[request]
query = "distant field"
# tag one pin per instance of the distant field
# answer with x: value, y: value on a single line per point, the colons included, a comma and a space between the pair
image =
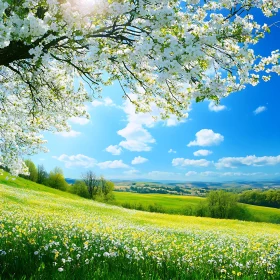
x: 170, y: 203
x: 183, y: 205
x: 121, y: 188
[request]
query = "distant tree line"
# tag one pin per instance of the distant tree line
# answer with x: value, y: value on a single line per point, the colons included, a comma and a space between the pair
x: 93, y: 187
x: 159, y: 189
x: 90, y: 186
x: 55, y: 179
x: 269, y: 198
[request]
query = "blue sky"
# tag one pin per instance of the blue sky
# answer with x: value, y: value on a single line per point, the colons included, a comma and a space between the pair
x: 237, y: 141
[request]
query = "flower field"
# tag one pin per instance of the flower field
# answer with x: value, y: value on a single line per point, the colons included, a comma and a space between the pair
x: 48, y: 234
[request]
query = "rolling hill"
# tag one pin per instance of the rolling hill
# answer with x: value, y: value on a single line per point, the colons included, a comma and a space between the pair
x: 183, y: 205
x: 49, y: 234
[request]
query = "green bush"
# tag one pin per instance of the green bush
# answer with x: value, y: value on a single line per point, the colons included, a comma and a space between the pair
x: 56, y: 179
x: 223, y: 205
x: 155, y: 208
x: 80, y: 188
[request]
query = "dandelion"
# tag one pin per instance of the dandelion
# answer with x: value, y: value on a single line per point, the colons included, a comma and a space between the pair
x: 60, y: 269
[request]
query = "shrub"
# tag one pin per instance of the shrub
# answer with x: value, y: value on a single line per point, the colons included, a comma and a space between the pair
x: 222, y: 205
x: 56, y: 179
x: 80, y: 188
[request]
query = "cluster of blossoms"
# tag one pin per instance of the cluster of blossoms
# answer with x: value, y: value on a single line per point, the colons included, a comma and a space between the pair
x: 164, y: 52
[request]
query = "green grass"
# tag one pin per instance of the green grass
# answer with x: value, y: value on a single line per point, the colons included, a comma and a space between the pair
x: 162, y: 203
x: 49, y: 234
x: 183, y: 205
x: 172, y: 202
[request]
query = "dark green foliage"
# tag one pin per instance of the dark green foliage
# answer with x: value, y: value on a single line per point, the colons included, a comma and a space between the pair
x: 222, y: 205
x: 160, y: 189
x: 43, y: 175
x: 79, y: 188
x: 91, y: 182
x: 98, y: 188
x: 105, y: 190
x: 56, y: 179
x: 202, y: 210
x: 157, y: 208
x: 269, y: 198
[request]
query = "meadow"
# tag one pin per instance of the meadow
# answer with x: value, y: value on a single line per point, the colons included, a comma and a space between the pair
x: 49, y: 234
x: 185, y: 205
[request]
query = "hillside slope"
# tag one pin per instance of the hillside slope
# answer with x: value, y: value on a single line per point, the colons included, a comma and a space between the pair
x: 185, y: 205
x: 48, y: 234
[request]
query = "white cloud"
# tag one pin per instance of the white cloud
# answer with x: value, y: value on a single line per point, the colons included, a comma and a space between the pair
x: 96, y: 103
x: 216, y: 108
x: 112, y: 164
x: 190, y: 162
x: 234, y: 162
x: 76, y: 160
x: 202, y: 153
x: 172, y: 151
x: 114, y: 150
x: 137, y: 138
x: 228, y: 174
x: 71, y: 133
x: 107, y: 101
x: 139, y: 160
x: 206, y: 137
x: 208, y: 173
x: 79, y: 120
x: 259, y: 110
x: 86, y: 162
x: 190, y: 173
x: 162, y: 175
x: 241, y: 174
x: 149, y: 119
x: 131, y: 172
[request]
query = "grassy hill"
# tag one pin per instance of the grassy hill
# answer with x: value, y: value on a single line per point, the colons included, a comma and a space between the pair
x: 183, y: 205
x: 48, y: 234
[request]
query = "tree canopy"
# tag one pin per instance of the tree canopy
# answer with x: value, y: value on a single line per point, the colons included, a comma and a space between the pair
x: 56, y: 179
x: 160, y: 52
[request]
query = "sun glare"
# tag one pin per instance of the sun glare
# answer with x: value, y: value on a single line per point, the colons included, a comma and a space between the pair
x: 86, y: 6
